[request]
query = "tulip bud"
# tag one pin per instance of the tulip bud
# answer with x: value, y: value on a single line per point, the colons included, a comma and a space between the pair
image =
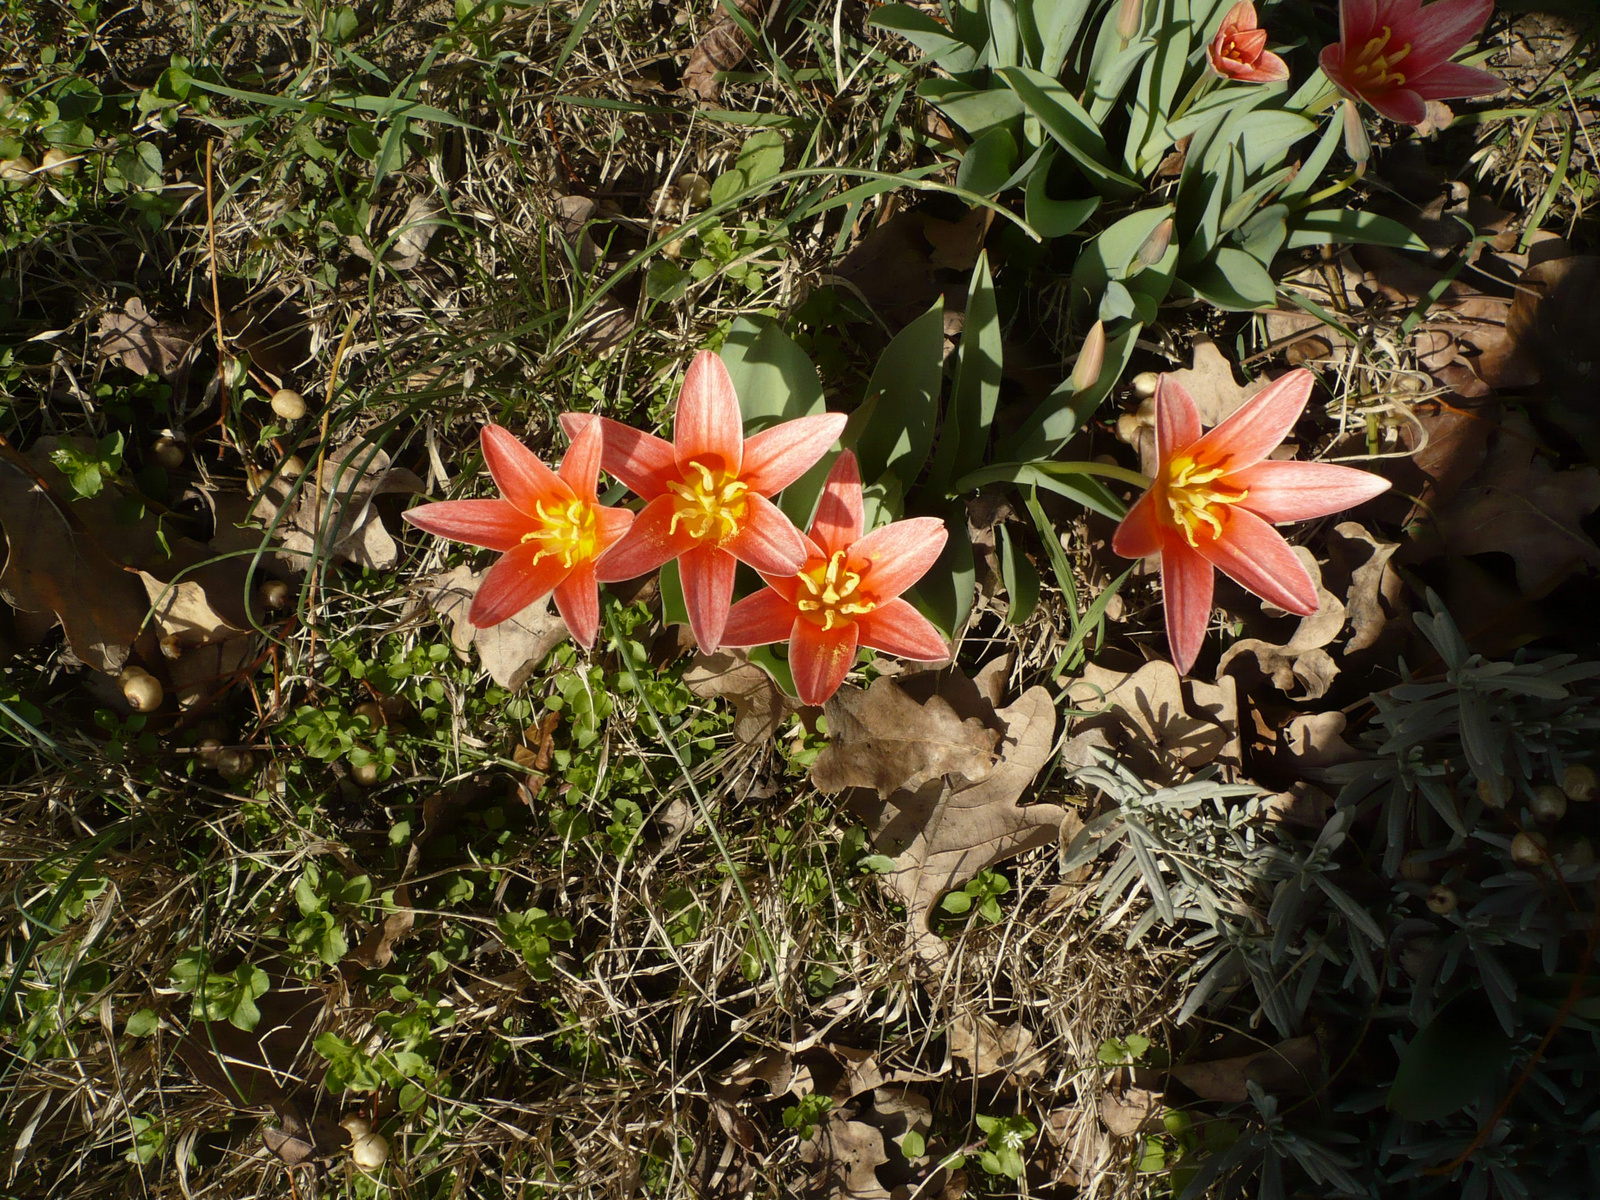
x: 1091, y: 359
x: 1130, y: 17
x: 1154, y: 248
x: 1356, y: 144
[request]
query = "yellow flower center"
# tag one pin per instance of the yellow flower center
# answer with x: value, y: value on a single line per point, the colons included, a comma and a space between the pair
x: 829, y: 593
x: 1231, y: 51
x: 568, y: 532
x: 713, y: 507
x: 1192, y: 497
x: 1373, y: 67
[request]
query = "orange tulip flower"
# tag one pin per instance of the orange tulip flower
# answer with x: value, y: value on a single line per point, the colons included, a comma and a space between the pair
x: 707, y: 493
x: 847, y: 594
x: 548, y: 527
x: 1395, y: 54
x: 1215, y: 498
x: 1239, y: 51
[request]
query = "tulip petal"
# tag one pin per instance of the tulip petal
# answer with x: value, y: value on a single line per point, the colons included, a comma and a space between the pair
x: 707, y: 576
x: 580, y: 466
x: 1258, y: 427
x: 897, y: 628
x: 1452, y: 81
x: 610, y: 525
x: 768, y: 540
x: 820, y: 659
x: 893, y: 557
x: 1187, y: 582
x: 642, y: 461
x: 788, y: 586
x: 521, y: 477
x: 512, y: 584
x: 1268, y: 68
x: 578, y: 601
x: 1177, y: 418
x: 1254, y: 555
x: 649, y: 542
x: 776, y: 457
x: 1358, y: 21
x: 1436, y: 31
x: 708, y: 427
x: 1293, y: 491
x: 1139, y: 535
x: 759, y: 619
x: 1250, y: 42
x: 495, y: 524
x: 1402, y: 106
x: 840, y: 512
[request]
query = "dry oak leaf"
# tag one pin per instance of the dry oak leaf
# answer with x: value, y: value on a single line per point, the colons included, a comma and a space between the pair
x: 759, y: 705
x: 1136, y: 1110
x: 1291, y: 1068
x: 56, y: 568
x: 1210, y: 381
x: 142, y: 343
x: 989, y: 1048
x: 848, y: 1153
x: 340, y: 513
x: 722, y: 48
x: 1374, y: 585
x: 884, y: 740
x: 510, y: 651
x: 1151, y: 702
x: 946, y: 831
x: 1519, y: 505
x: 1301, y: 661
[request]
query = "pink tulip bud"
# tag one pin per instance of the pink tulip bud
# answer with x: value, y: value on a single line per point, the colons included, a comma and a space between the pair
x: 1091, y: 359
x: 1154, y: 248
x: 1130, y: 17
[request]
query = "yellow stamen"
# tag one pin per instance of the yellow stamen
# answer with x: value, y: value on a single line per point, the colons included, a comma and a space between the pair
x: 1192, y: 500
x: 568, y: 532
x: 830, y: 594
x: 1373, y: 66
x: 713, y: 508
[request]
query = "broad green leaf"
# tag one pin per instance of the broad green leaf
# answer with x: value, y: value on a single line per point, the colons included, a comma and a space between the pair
x: 1317, y: 161
x: 974, y: 109
x: 1266, y: 135
x: 897, y: 433
x: 1111, y: 65
x: 964, y: 434
x: 1054, y: 218
x: 945, y: 594
x: 773, y: 377
x: 1351, y: 225
x: 1065, y: 479
x: 926, y: 34
x: 1159, y: 81
x: 674, y: 609
x: 1073, y: 129
x: 987, y: 165
x: 1020, y: 577
x: 1064, y: 412
x: 1263, y: 235
x: 1005, y: 36
x: 1232, y: 280
x: 1060, y: 22
x: 1451, y: 1062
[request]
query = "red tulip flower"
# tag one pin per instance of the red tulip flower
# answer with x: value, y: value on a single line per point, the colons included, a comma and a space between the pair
x: 1239, y: 51
x: 847, y: 593
x: 1395, y: 54
x: 549, y: 529
x: 1215, y: 498
x: 706, y: 493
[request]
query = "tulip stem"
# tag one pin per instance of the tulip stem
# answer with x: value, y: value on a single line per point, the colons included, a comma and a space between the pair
x: 768, y: 958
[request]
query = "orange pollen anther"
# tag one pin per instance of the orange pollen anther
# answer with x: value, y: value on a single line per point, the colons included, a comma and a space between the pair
x: 1230, y: 50
x: 568, y: 532
x: 829, y: 593
x: 1374, y: 68
x: 1192, y: 498
x: 713, y: 507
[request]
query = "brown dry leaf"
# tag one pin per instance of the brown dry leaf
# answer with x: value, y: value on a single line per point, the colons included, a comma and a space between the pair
x: 1301, y: 661
x: 884, y: 740
x: 297, y: 1141
x: 759, y: 704
x: 989, y: 1048
x: 144, y: 344
x: 1084, y: 1150
x: 1304, y: 804
x: 510, y: 651
x: 1130, y: 1111
x: 947, y: 830
x: 848, y: 1154
x: 1517, y: 504
x: 1317, y: 740
x: 262, y: 1067
x: 1552, y: 330
x: 341, y: 514
x: 1151, y: 703
x: 1210, y: 381
x: 1375, y: 586
x: 1291, y: 1068
x: 377, y: 949
x: 54, y: 565
x: 416, y: 228
x: 722, y: 48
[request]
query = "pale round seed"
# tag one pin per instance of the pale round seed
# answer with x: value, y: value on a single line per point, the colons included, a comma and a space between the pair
x: 1579, y: 783
x: 1529, y: 849
x: 59, y: 162
x: 370, y: 1152
x: 1549, y: 804
x: 1144, y: 384
x: 167, y: 453
x: 142, y: 691
x: 1442, y: 900
x: 274, y: 593
x: 364, y: 775
x: 288, y: 404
